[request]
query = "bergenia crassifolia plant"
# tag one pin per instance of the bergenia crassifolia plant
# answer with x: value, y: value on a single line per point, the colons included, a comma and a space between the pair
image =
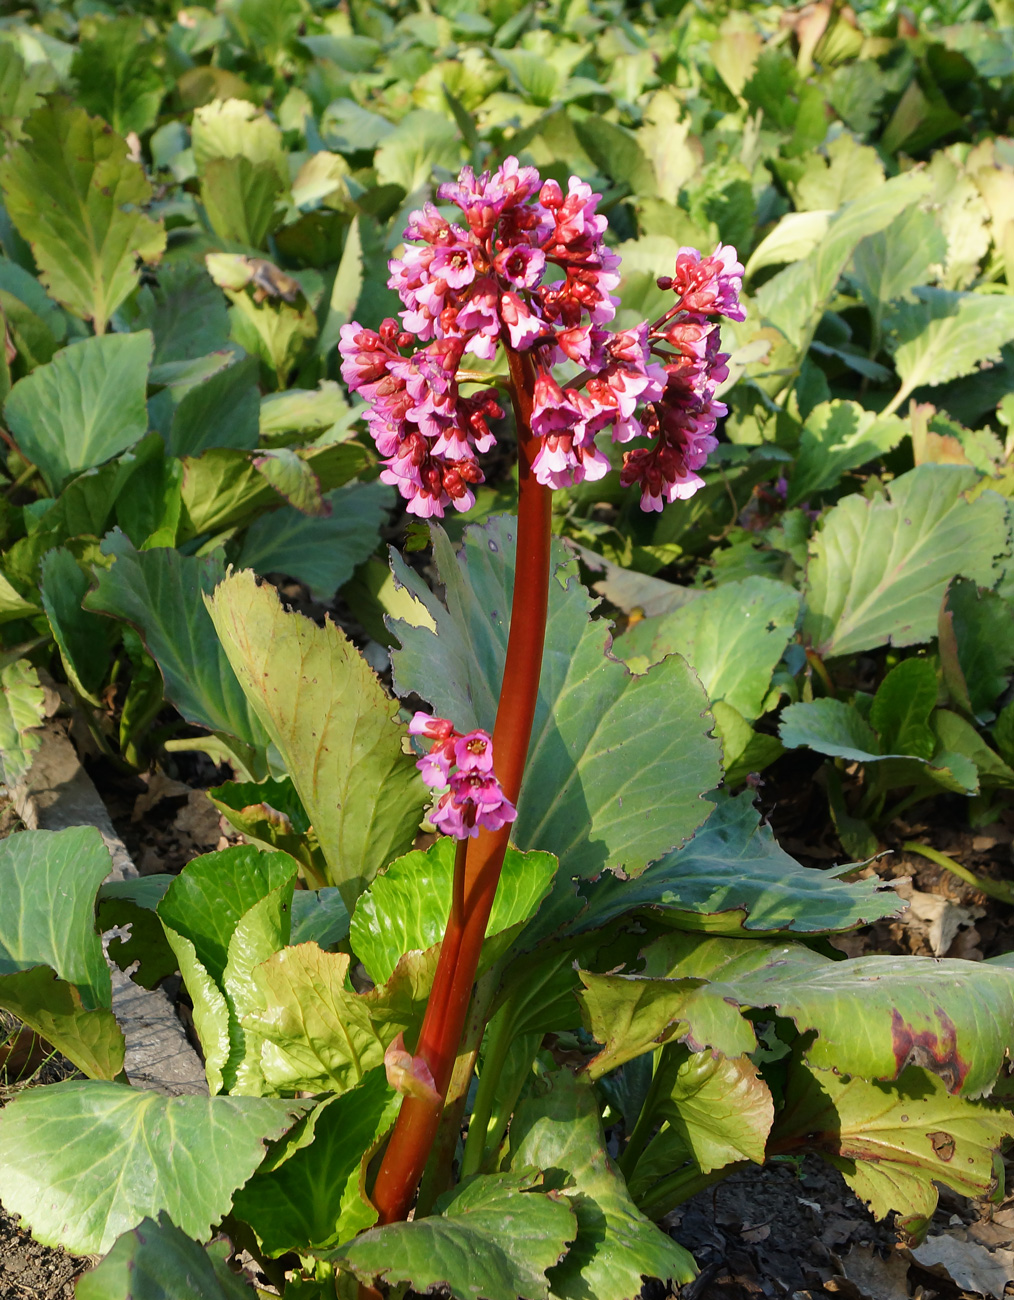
x: 524, y: 271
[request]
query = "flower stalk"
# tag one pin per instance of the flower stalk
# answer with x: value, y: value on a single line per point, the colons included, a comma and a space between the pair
x: 479, y: 860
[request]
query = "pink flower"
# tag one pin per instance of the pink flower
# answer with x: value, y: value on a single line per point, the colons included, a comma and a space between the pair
x: 473, y: 752
x: 475, y: 797
x: 709, y: 285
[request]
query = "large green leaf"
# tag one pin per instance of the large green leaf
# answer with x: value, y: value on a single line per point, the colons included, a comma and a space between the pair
x: 156, y: 1261
x: 223, y: 915
x: 313, y: 1198
x: 22, y: 709
x: 954, y: 1018
x: 406, y: 907
x: 839, y: 436
x: 492, y: 1238
x: 891, y: 263
x: 616, y: 1246
x: 879, y: 566
x: 321, y: 1036
x: 76, y: 197
x: 160, y: 592
x: 224, y: 411
x: 118, y: 77
x: 185, y: 311
x: 333, y: 724
x: 53, y: 975
x: 420, y: 142
x: 83, y: 1162
x: 322, y: 551
x: 732, y: 636
x: 732, y: 877
x: 83, y: 407
x: 893, y: 1142
x: 976, y: 639
x: 135, y: 900
x: 794, y: 299
x: 617, y: 764
x: 945, y: 335
x: 240, y: 198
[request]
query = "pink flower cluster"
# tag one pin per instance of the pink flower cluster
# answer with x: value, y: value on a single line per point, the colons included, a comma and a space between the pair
x: 529, y: 269
x: 474, y: 796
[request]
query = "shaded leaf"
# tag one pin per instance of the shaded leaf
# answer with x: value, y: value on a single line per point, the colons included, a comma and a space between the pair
x: 976, y: 639
x: 344, y: 1130
x: 902, y: 706
x: 837, y: 437
x: 84, y: 639
x: 945, y: 335
x: 160, y: 592
x: 117, y: 77
x: 22, y: 709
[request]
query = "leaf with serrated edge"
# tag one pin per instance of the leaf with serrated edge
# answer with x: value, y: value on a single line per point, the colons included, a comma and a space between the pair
x: 732, y: 877
x: 333, y: 724
x: 318, y: 1034
x: 946, y: 335
x: 492, y: 1238
x: 345, y: 1129
x: 83, y: 1162
x: 22, y: 710
x: 406, y: 907
x: 732, y: 637
x: 879, y: 567
x: 83, y: 407
x: 954, y: 1018
x: 160, y: 593
x: 617, y: 764
x: 616, y: 1246
x: 839, y: 436
x: 156, y: 1261
x: 77, y: 198
x: 892, y: 1142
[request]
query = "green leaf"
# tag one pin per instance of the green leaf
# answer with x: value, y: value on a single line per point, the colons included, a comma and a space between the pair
x: 976, y: 637
x: 156, y: 1261
x: 743, y: 749
x: 135, y: 901
x: 22, y: 709
x: 491, y: 1238
x: 323, y: 551
x: 596, y: 728
x: 830, y: 727
x: 406, y: 907
x: 224, y: 489
x: 616, y: 1245
x: 292, y: 478
x: 733, y: 877
x: 84, y: 1162
x: 893, y: 1142
x: 419, y: 143
x: 240, y: 198
x: 53, y: 975
x: 319, y: 916
x: 160, y: 592
x: 732, y: 636
x: 78, y: 200
x: 715, y: 1112
x: 838, y: 437
x: 117, y: 75
x: 223, y: 915
x: 234, y: 128
x: 84, y: 639
x: 960, y: 739
x: 902, y: 706
x: 318, y: 1034
x: 224, y: 411
x: 879, y: 566
x: 268, y: 811
x: 20, y: 89
x: 84, y: 407
x: 275, y: 1202
x: 891, y: 263
x: 794, y: 299
x: 184, y: 310
x: 616, y: 153
x: 332, y: 723
x: 945, y: 335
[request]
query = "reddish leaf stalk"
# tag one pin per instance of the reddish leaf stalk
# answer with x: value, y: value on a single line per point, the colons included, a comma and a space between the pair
x: 480, y: 860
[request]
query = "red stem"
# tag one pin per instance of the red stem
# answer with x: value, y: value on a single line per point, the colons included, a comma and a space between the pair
x: 479, y: 861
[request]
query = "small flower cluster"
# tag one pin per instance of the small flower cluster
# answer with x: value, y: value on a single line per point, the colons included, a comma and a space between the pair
x: 529, y: 269
x: 474, y: 796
